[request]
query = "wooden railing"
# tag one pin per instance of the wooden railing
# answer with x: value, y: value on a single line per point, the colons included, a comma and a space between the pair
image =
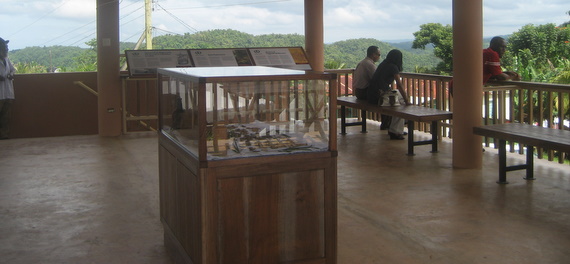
x: 500, y: 103
x: 424, y: 89
x: 542, y: 104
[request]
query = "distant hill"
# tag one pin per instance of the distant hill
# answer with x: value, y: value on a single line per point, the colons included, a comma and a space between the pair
x: 347, y: 52
x: 352, y: 51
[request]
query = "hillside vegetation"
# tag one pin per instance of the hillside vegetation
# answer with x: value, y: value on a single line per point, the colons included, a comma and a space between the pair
x: 342, y: 54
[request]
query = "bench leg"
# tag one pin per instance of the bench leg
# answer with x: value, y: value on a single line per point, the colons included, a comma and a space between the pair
x: 411, y: 138
x: 529, y: 163
x: 434, y: 134
x: 343, y: 119
x: 502, y: 162
x: 363, y: 115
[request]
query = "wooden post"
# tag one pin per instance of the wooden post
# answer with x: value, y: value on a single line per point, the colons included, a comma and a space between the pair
x: 108, y: 68
x: 467, y: 82
x: 314, y: 37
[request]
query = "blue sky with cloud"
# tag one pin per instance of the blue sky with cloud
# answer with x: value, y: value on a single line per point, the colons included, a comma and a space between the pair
x: 72, y: 22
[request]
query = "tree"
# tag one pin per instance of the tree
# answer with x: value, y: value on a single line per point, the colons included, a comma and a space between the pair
x: 539, y: 53
x: 352, y: 51
x: 441, y: 37
x: 567, y: 23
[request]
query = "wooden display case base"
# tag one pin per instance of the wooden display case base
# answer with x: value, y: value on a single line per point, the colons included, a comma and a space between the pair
x: 271, y: 209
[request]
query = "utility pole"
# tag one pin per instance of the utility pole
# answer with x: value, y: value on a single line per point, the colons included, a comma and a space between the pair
x: 148, y: 23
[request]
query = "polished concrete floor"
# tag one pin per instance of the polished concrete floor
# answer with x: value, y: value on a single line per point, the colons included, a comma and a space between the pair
x: 88, y: 199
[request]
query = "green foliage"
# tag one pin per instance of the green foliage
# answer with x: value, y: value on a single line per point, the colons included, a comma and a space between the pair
x: 226, y: 38
x: 60, y: 58
x: 564, y: 73
x: 29, y: 67
x: 342, y: 54
x: 441, y: 37
x: 546, y: 42
x: 51, y: 57
x: 353, y: 51
x: 539, y: 53
x: 334, y: 65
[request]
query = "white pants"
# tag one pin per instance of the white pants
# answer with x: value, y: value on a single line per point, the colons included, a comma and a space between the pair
x: 396, y: 125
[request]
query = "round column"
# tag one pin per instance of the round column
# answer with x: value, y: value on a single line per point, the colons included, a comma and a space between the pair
x: 467, y: 82
x: 314, y: 37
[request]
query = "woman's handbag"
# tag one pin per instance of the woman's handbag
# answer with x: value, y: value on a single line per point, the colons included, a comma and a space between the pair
x: 390, y: 98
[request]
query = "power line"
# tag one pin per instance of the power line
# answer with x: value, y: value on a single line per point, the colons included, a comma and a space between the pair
x: 177, y: 19
x: 39, y: 18
x: 90, y: 33
x: 69, y: 32
x: 160, y: 29
x: 226, y: 5
x: 132, y: 36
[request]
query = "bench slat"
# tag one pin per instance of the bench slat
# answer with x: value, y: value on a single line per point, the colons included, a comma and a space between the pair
x: 547, y: 138
x: 408, y: 112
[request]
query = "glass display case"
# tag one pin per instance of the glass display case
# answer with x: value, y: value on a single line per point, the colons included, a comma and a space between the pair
x: 236, y: 112
x: 247, y: 164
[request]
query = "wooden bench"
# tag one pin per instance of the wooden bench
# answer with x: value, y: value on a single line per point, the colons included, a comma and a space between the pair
x: 529, y: 135
x: 410, y: 112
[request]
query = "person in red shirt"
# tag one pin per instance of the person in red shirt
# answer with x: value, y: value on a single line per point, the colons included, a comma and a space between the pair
x: 492, y: 62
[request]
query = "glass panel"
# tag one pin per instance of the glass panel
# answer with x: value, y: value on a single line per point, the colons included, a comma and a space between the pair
x: 266, y: 118
x: 246, y: 118
x: 179, y: 112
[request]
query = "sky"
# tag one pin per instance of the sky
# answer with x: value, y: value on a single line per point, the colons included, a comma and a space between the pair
x: 29, y: 23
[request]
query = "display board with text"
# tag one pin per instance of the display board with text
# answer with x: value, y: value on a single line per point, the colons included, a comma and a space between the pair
x: 145, y: 62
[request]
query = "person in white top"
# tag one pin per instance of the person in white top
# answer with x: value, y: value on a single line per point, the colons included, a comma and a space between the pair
x: 364, y: 71
x: 7, y: 71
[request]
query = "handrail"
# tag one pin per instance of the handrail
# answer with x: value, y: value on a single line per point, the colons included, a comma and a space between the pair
x: 89, y: 89
x: 500, y: 101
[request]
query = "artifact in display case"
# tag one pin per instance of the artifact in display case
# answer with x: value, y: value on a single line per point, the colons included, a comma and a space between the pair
x: 236, y: 112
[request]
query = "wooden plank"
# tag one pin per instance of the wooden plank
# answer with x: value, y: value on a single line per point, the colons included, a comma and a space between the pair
x: 301, y: 216
x: 233, y: 229
x: 263, y: 245
x: 548, y: 138
x: 189, y: 207
x: 408, y: 112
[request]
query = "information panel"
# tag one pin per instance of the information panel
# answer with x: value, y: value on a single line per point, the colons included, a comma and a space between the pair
x: 291, y: 58
x: 145, y: 62
x: 213, y: 58
x: 272, y: 56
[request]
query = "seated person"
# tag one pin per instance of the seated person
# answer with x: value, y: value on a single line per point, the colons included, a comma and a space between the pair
x: 388, y: 73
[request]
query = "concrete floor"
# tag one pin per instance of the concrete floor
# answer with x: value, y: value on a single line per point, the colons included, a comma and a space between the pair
x: 88, y: 199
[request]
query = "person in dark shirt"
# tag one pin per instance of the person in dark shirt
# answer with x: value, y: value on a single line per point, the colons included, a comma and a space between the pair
x: 386, y: 75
